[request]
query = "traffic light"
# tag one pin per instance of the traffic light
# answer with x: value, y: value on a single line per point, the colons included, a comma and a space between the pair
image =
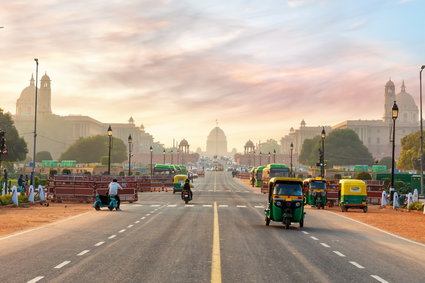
x: 3, y: 149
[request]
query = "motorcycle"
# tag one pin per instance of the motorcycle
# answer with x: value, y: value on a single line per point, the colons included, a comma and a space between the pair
x: 186, y: 197
x: 105, y: 201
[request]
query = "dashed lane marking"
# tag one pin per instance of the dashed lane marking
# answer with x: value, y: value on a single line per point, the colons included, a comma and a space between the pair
x: 121, y: 231
x: 153, y: 211
x: 147, y: 214
x: 325, y: 245
x: 305, y: 232
x: 207, y: 205
x: 62, y: 264
x: 137, y: 204
x: 111, y: 237
x: 36, y: 279
x: 356, y: 264
x: 189, y: 205
x: 379, y: 279
x: 155, y: 205
x: 223, y: 205
x: 259, y: 206
x: 142, y: 217
x: 99, y: 244
x: 129, y: 226
x: 340, y: 254
x: 83, y: 252
x: 137, y: 221
x: 172, y: 205
x: 314, y: 238
x: 241, y: 206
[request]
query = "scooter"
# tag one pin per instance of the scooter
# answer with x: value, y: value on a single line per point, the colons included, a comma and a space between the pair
x: 105, y: 201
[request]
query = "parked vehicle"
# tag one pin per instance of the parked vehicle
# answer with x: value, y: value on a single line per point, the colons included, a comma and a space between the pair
x: 285, y: 201
x: 353, y: 194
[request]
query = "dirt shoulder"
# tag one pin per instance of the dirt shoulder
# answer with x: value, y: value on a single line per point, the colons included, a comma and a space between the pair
x: 406, y: 224
x: 27, y: 216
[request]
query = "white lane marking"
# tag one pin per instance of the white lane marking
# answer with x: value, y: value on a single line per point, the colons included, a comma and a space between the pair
x: 383, y: 231
x: 62, y: 264
x: 111, y: 237
x: 148, y: 214
x: 356, y: 264
x: 142, y: 217
x: 137, y: 205
x: 211, y: 190
x: 83, y: 252
x: 36, y: 279
x: 259, y: 206
x: 314, y: 238
x: 129, y: 226
x: 189, y: 205
x: 99, y: 244
x: 340, y: 254
x: 155, y: 205
x: 241, y: 206
x: 379, y: 279
x: 137, y: 221
x: 207, y: 205
x: 172, y: 205
x: 121, y: 231
x: 305, y: 232
x: 223, y: 205
x: 325, y: 245
x: 153, y: 211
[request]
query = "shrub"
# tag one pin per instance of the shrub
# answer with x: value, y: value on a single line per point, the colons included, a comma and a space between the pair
x: 300, y: 176
x: 338, y: 176
x: 66, y: 171
x: 53, y: 172
x: 122, y: 173
x: 22, y: 198
x: 87, y: 173
x: 363, y: 176
x: 6, y: 199
x: 417, y: 205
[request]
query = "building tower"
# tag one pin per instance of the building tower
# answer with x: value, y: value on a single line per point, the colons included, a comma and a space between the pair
x: 389, y: 100
x: 45, y: 95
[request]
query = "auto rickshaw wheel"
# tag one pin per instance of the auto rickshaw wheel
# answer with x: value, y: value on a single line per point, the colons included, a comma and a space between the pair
x: 97, y: 207
x: 110, y: 208
x: 344, y: 208
x: 301, y: 223
x: 365, y: 209
x: 267, y: 221
x: 287, y: 223
x: 174, y: 192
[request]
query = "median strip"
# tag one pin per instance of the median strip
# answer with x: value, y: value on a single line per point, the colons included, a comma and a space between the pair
x: 216, y: 260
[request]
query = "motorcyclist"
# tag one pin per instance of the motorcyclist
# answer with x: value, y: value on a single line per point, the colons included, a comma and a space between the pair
x: 187, y: 187
x: 114, y: 187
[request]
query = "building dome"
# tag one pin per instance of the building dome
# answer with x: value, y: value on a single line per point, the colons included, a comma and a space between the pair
x: 217, y: 142
x: 45, y: 77
x: 389, y: 83
x: 249, y: 144
x: 184, y: 143
x: 408, y: 110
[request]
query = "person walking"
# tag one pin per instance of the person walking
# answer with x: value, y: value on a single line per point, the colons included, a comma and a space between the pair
x: 114, y: 187
x: 21, y: 184
x: 5, y: 179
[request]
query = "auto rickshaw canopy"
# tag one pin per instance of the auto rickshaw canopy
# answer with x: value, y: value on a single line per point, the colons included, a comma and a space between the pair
x: 353, y: 187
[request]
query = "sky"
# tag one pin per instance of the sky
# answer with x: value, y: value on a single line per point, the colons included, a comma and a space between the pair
x: 177, y: 66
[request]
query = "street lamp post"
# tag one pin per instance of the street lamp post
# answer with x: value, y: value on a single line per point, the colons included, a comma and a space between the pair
x: 35, y: 121
x: 163, y: 153
x: 291, y: 147
x: 249, y: 159
x: 322, y: 154
x: 109, y: 149
x: 151, y: 150
x: 178, y: 156
x: 130, y: 145
x: 172, y: 161
x: 254, y: 157
x: 269, y: 157
x: 274, y: 155
x: 422, y: 130
x: 260, y: 158
x: 394, y: 115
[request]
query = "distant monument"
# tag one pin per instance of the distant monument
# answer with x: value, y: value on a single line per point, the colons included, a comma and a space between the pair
x: 217, y: 143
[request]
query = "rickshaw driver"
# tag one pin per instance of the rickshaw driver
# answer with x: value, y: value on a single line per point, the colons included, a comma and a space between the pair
x: 113, y: 191
x: 187, y: 187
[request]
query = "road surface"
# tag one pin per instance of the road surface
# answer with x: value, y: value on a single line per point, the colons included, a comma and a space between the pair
x: 219, y: 237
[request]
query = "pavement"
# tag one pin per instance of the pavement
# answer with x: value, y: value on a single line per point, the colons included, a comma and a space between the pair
x: 219, y: 237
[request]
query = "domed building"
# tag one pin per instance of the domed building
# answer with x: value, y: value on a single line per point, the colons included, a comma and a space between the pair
x: 26, y: 101
x: 408, y: 110
x: 216, y: 143
x: 249, y: 147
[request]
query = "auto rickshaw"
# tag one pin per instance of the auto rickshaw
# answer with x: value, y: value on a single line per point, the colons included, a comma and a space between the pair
x: 178, y: 183
x: 285, y: 201
x: 258, y: 176
x: 315, y: 192
x: 353, y: 194
x: 252, y: 176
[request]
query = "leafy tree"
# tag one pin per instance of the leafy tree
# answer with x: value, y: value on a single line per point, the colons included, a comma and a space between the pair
x: 410, y: 152
x: 363, y: 176
x: 16, y: 146
x: 342, y: 147
x: 270, y: 145
x: 43, y: 155
x: 386, y: 161
x: 66, y: 171
x: 91, y: 149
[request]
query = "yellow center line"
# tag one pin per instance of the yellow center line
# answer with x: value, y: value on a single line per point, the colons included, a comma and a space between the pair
x: 216, y: 261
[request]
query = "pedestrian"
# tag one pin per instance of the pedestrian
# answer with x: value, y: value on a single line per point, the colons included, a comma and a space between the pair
x: 21, y: 183
x: 5, y: 179
x: 114, y: 187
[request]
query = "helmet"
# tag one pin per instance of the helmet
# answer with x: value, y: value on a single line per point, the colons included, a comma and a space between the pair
x: 187, y: 181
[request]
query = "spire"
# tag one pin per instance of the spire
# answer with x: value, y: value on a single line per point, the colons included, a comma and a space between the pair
x: 403, y: 87
x: 32, y: 80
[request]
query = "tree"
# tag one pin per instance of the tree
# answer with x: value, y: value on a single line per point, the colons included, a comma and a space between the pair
x: 410, y: 152
x: 387, y: 161
x: 16, y: 146
x: 91, y: 149
x: 43, y: 155
x: 270, y: 145
x: 342, y: 147
x: 363, y: 176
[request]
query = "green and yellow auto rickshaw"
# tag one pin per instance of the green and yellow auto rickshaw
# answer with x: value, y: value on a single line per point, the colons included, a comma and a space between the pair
x: 178, y: 183
x: 258, y: 176
x: 315, y: 192
x: 285, y: 201
x: 353, y: 194
x: 252, y: 176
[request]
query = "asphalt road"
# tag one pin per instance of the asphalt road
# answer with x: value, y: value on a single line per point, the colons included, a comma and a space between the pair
x: 220, y: 235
